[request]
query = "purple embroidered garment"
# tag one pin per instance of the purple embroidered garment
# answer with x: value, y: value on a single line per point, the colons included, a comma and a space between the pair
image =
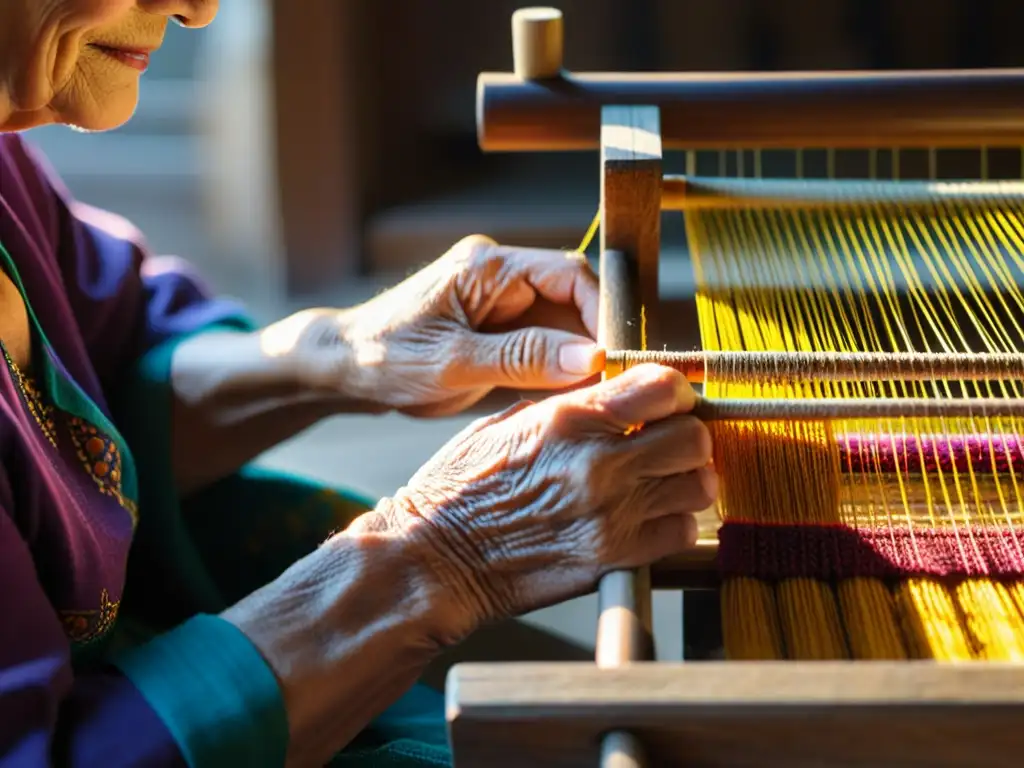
x: 107, y: 316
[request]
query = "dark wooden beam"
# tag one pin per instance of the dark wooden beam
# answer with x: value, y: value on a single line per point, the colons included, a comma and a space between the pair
x: 741, y: 714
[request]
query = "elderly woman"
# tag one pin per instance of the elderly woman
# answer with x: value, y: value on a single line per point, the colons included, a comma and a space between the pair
x: 164, y: 604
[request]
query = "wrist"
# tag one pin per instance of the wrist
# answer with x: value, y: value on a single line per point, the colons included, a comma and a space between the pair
x: 346, y: 630
x: 450, y: 604
x: 322, y: 350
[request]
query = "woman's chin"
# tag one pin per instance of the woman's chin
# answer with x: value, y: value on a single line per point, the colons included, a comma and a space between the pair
x: 96, y: 117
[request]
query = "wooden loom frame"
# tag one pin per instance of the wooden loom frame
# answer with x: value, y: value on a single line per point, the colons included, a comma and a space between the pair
x: 627, y: 710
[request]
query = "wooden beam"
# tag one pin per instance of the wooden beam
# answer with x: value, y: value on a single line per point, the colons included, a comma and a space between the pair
x: 770, y: 110
x: 738, y: 714
x: 630, y: 243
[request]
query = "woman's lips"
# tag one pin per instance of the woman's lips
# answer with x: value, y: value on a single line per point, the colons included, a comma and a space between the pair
x: 136, y: 59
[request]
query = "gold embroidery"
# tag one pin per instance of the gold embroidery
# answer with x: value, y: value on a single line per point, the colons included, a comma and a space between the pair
x: 34, y: 402
x: 101, y: 458
x: 87, y: 626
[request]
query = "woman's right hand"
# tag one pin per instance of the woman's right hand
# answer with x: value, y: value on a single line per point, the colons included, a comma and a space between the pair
x: 519, y: 511
x: 532, y: 506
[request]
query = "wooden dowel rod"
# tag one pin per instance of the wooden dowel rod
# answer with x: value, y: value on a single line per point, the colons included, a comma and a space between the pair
x: 623, y: 636
x: 729, y: 409
x: 620, y: 749
x: 844, y: 110
x: 783, y: 367
x: 537, y: 43
x: 623, y: 631
x: 623, y: 625
x: 686, y: 193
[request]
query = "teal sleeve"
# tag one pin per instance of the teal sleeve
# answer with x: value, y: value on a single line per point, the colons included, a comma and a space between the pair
x: 217, y: 696
x: 163, y: 551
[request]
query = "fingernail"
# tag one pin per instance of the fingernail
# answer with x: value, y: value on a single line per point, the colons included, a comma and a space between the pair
x: 579, y: 359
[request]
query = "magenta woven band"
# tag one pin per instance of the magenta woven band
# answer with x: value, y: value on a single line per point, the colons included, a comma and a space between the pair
x: 773, y: 552
x: 984, y: 454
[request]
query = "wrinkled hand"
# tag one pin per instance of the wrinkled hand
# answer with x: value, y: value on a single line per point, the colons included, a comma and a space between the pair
x: 532, y: 506
x: 480, y: 317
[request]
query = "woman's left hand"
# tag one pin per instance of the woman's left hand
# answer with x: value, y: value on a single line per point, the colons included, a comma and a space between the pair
x: 480, y: 317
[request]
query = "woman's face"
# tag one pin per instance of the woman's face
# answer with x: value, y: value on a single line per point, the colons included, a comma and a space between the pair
x: 79, y: 61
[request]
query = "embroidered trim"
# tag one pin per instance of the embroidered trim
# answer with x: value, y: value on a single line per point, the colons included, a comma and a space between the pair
x: 88, y: 626
x: 99, y: 455
x: 34, y: 401
x: 101, y: 458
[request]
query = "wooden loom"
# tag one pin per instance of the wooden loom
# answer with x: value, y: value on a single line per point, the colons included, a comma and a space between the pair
x: 628, y: 710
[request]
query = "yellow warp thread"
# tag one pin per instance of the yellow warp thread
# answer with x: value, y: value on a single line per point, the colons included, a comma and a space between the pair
x: 930, y: 621
x: 760, y: 636
x: 865, y: 277
x: 862, y: 602
x: 875, y: 277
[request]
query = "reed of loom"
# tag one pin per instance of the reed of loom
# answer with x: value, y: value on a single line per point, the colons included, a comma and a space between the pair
x: 628, y: 710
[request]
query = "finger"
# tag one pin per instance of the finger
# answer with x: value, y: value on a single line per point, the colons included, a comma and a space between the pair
x: 692, y: 491
x: 563, y: 277
x: 531, y: 358
x: 514, y: 302
x: 660, y: 538
x: 539, y: 313
x: 679, y: 443
x: 645, y: 393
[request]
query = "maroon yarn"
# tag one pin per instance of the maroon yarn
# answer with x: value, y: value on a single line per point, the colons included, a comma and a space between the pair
x: 828, y: 552
x: 980, y: 453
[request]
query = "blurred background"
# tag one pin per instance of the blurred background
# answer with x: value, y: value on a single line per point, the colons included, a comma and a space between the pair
x: 318, y: 155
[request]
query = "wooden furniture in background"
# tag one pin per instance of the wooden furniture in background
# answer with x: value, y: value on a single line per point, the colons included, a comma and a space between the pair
x: 376, y: 144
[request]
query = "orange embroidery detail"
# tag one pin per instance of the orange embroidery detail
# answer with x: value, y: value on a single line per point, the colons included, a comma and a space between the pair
x: 99, y: 455
x: 34, y: 402
x: 102, y: 460
x: 88, y: 626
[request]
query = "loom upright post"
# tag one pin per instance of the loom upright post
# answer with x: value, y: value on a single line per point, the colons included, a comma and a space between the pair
x: 630, y: 242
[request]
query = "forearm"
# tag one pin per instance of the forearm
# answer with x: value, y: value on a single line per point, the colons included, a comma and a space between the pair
x: 348, y: 630
x: 236, y: 395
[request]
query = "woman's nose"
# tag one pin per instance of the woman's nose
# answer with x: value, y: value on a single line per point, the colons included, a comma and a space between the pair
x: 188, y: 13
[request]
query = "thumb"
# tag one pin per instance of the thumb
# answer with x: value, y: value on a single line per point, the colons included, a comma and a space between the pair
x: 532, y: 358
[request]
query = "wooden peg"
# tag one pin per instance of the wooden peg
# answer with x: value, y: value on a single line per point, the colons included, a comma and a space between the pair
x: 537, y: 43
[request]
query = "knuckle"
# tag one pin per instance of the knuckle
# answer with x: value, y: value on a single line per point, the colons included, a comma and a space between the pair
x: 697, y: 437
x: 655, y: 375
x: 708, y: 479
x: 475, y: 242
x: 690, y: 440
x: 578, y: 260
x: 563, y: 417
x: 689, y: 493
x: 656, y: 388
x: 473, y: 249
x: 523, y: 354
x: 656, y: 380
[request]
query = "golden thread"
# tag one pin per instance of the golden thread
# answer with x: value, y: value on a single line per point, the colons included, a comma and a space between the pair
x: 760, y: 637
x: 876, y: 277
x: 591, y: 232
x: 931, y: 622
x: 862, y: 602
x: 863, y: 277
